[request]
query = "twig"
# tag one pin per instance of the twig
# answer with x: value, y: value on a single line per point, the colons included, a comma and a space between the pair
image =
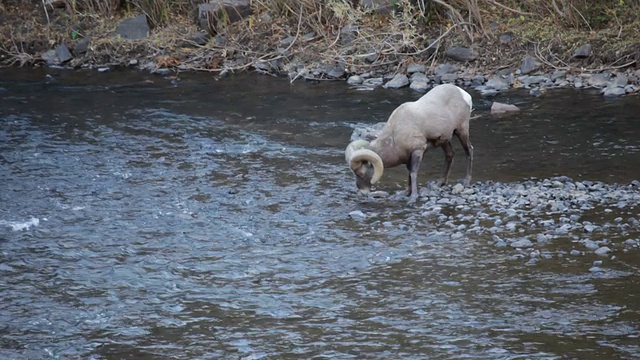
x: 508, y: 8
x: 46, y: 12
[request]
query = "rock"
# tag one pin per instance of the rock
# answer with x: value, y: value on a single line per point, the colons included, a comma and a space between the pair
x: 50, y: 57
x: 161, y: 71
x: 590, y: 244
x: 368, y: 133
x: 478, y: 80
x: 414, y: 68
x: 558, y: 74
x: 398, y: 81
x: 459, y: 53
x: 419, y: 82
x: 445, y: 68
x: 621, y: 80
x: 529, y: 65
x: 582, y: 52
x: 613, y: 91
x: 531, y: 80
x: 334, y: 72
x: 575, y: 252
x: 537, y: 91
x: 201, y: 38
x: 500, y: 108
x: 373, y: 82
x: 457, y: 189
x: 602, y: 251
x: 506, y: 37
x: 104, y: 69
x: 522, y: 243
x: 133, y: 62
x: 355, y: 80
x: 599, y: 80
x: 63, y: 53
x: 82, y: 46
x: 371, y: 58
x: 216, y: 14
x: 357, y: 214
x: 133, y: 28
x: 449, y: 78
x: 348, y: 33
x: 631, y: 242
x: 497, y: 83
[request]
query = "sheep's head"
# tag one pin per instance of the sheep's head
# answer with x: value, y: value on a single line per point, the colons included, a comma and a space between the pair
x: 365, y: 164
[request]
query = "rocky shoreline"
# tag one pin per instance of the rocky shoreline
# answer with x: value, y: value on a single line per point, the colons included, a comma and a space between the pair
x: 596, y: 218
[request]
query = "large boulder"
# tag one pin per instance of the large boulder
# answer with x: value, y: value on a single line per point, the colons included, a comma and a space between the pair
x: 216, y: 14
x: 133, y: 28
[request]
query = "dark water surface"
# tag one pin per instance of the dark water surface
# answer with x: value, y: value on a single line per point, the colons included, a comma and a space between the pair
x: 151, y: 218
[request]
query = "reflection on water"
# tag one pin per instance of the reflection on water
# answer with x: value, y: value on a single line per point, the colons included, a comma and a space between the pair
x: 152, y: 218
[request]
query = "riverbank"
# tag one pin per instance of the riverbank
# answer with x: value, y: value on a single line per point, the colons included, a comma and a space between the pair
x: 492, y: 47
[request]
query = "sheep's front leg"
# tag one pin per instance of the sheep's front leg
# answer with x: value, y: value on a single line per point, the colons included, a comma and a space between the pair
x: 413, y: 166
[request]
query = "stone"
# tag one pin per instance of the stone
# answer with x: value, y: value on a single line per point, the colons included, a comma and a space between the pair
x: 522, y: 243
x: 449, y: 78
x: 602, y: 251
x: 63, y: 53
x: 621, y: 80
x: 357, y: 214
x: 497, y: 83
x: 355, y: 80
x: 532, y: 80
x: 506, y: 37
x: 133, y: 28
x: 201, y: 38
x: 334, y: 72
x: 599, y: 80
x: 558, y: 74
x: 398, y: 81
x: 500, y: 108
x: 373, y: 82
x: 50, y: 57
x: 459, y: 53
x: 582, y: 52
x: 348, y: 33
x: 419, y: 82
x: 457, y: 189
x: 371, y: 58
x: 445, y: 68
x: 216, y: 14
x: 82, y: 46
x: 613, y: 91
x: 414, y: 68
x: 529, y: 64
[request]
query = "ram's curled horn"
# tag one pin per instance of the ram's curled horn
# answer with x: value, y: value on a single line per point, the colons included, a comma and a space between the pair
x: 359, y: 156
x: 352, y: 147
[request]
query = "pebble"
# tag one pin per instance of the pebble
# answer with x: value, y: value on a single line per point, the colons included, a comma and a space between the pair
x: 603, y: 251
x: 522, y: 243
x: 357, y: 214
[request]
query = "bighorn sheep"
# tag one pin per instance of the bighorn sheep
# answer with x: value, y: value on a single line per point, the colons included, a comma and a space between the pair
x: 431, y: 120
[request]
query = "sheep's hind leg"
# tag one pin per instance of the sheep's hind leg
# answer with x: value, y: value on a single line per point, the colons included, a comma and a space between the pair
x: 413, y: 166
x: 468, y: 149
x: 448, y: 162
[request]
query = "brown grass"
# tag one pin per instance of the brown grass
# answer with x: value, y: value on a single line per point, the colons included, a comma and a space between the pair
x: 315, y: 33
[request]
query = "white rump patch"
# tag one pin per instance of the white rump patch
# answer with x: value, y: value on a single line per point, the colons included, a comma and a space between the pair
x: 466, y: 97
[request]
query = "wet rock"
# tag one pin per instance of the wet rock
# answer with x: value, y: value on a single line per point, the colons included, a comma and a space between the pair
x: 373, y: 82
x: 419, y: 82
x: 459, y: 53
x: 457, y: 189
x: 415, y: 68
x: 602, y: 251
x: 621, y: 80
x: 599, y: 80
x: 529, y: 64
x: 357, y: 214
x: 497, y: 83
x: 50, y: 57
x: 537, y: 91
x: 82, y: 46
x: 575, y: 252
x: 133, y: 28
x: 368, y: 133
x: 334, y: 72
x: 216, y: 14
x: 589, y: 244
x: 161, y: 72
x: 532, y: 80
x: 522, y: 243
x: 355, y: 80
x: 398, y: 81
x: 104, y: 69
x: 63, y: 53
x: 500, y: 108
x: 613, y: 91
x: 582, y: 52
x: 631, y: 243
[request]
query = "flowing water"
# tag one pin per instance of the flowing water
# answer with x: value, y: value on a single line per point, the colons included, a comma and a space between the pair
x: 144, y: 217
